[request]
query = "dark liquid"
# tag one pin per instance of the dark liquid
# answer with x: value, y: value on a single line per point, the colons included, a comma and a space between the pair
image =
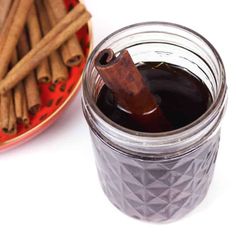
x: 181, y: 95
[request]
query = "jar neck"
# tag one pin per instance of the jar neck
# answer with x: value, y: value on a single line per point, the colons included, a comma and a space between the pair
x: 170, y: 43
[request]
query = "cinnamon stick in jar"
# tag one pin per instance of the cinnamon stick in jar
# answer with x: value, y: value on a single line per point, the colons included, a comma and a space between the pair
x: 58, y: 69
x: 71, y: 51
x: 35, y: 35
x: 30, y: 82
x: 122, y: 76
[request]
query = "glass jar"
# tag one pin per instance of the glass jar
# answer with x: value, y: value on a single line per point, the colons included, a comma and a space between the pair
x: 157, y: 176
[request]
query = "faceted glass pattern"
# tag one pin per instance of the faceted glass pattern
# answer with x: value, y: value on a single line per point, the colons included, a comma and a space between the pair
x: 156, y: 190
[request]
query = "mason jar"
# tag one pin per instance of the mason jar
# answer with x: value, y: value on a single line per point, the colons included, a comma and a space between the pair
x: 157, y: 176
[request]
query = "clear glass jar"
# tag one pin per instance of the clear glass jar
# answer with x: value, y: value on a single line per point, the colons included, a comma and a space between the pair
x: 157, y: 176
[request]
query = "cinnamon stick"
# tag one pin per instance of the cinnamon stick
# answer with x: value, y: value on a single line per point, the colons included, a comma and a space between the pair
x: 6, y: 27
x: 58, y: 69
x: 12, y: 129
x: 35, y: 35
x: 4, y: 9
x: 14, y: 25
x: 8, y: 39
x: 30, y: 82
x: 71, y: 51
x: 5, y: 110
x: 21, y: 109
x: 0, y: 114
x: 20, y: 98
x: 74, y: 20
x: 18, y: 92
x: 4, y: 103
x: 8, y: 118
x: 122, y: 76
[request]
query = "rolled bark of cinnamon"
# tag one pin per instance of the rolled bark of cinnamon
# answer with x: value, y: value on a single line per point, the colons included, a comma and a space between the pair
x: 0, y: 114
x: 18, y: 92
x: 35, y: 35
x: 8, y: 117
x: 58, y: 69
x: 5, y: 110
x: 7, y: 24
x: 4, y: 103
x: 74, y: 20
x: 4, y: 9
x: 30, y: 82
x: 21, y: 104
x: 14, y: 25
x: 71, y: 51
x: 20, y: 101
x: 122, y: 76
x: 12, y: 128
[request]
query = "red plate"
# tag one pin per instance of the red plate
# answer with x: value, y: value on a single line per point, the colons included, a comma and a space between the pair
x: 54, y: 98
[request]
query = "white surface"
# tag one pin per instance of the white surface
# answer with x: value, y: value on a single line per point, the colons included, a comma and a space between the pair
x: 49, y: 186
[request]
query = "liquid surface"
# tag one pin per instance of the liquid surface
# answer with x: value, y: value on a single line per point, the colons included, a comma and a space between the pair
x: 182, y: 97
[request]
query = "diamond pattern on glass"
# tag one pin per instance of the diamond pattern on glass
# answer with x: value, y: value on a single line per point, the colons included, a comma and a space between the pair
x: 160, y: 190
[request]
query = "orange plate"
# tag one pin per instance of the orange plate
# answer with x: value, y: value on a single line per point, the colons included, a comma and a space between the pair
x: 54, y: 98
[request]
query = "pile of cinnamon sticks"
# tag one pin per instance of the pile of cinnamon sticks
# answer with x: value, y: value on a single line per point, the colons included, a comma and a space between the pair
x: 37, y: 45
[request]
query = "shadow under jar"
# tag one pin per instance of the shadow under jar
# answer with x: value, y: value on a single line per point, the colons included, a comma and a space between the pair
x: 157, y: 176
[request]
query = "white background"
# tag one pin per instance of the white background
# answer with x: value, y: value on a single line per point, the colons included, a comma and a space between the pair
x: 49, y: 186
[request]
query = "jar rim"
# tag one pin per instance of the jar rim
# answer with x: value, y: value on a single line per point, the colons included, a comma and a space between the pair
x: 208, y: 115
